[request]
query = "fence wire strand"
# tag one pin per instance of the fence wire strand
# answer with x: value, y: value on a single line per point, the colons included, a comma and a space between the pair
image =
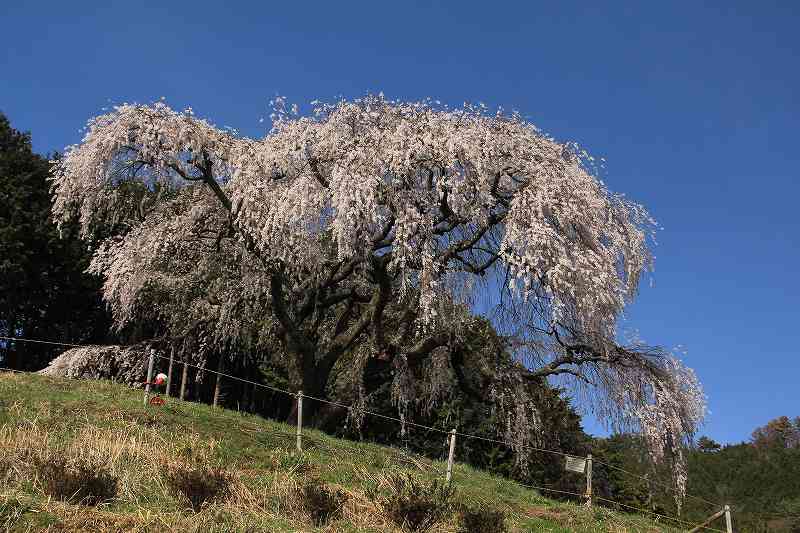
x: 653, y: 513
x: 654, y: 482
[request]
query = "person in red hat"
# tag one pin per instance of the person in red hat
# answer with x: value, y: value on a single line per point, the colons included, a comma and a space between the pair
x: 159, y: 380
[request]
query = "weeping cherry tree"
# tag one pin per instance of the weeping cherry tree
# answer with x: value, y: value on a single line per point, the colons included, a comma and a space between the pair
x: 364, y: 230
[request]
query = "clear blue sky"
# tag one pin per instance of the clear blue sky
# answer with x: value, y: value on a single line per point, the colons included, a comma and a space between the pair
x: 694, y: 106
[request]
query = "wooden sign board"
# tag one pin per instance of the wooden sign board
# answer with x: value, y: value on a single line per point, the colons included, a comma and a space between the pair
x: 575, y: 464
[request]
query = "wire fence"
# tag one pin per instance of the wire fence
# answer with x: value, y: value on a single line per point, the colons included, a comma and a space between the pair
x: 453, y: 434
x: 657, y: 483
x: 678, y: 521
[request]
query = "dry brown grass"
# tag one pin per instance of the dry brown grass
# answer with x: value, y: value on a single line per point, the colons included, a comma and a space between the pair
x: 137, y: 457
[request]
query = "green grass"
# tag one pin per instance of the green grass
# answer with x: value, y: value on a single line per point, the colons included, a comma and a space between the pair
x: 107, y: 425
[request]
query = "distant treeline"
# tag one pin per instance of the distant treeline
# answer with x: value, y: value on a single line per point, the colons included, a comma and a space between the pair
x: 760, y: 479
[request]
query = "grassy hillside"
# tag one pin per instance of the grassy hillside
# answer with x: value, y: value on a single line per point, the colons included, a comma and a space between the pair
x: 97, y: 441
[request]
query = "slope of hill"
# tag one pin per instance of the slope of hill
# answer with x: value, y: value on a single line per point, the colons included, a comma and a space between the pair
x: 189, y: 467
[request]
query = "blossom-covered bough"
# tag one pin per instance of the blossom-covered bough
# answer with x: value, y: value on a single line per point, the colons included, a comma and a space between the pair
x: 367, y: 228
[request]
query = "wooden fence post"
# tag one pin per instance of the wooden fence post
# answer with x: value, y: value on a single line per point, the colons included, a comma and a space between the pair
x: 169, y: 372
x: 728, y: 520
x: 215, y: 402
x: 149, y: 375
x: 589, y: 480
x: 300, y: 421
x: 184, y: 377
x: 451, y: 454
x: 218, y: 383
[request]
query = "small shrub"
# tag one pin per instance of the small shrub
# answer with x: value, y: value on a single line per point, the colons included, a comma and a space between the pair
x: 413, y: 504
x: 199, y: 484
x: 80, y: 482
x: 322, y: 502
x: 482, y: 521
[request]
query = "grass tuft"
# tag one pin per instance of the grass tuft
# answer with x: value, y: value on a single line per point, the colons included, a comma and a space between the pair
x: 414, y: 504
x: 481, y: 520
x: 322, y: 502
x: 76, y: 482
x: 198, y: 484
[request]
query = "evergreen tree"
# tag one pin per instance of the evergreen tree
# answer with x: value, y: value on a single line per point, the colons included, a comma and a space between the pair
x: 44, y: 292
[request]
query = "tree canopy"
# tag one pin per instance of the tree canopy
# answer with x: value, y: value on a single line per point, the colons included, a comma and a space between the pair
x: 781, y: 431
x: 44, y: 292
x: 368, y: 230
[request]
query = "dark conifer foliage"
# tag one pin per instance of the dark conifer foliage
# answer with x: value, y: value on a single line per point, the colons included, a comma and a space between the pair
x: 44, y: 292
x: 759, y: 479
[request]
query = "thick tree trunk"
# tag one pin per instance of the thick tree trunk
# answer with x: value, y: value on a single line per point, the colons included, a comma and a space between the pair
x: 313, y: 381
x: 311, y: 407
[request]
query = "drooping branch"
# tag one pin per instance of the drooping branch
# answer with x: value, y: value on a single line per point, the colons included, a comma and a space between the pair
x: 425, y: 346
x: 207, y: 168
